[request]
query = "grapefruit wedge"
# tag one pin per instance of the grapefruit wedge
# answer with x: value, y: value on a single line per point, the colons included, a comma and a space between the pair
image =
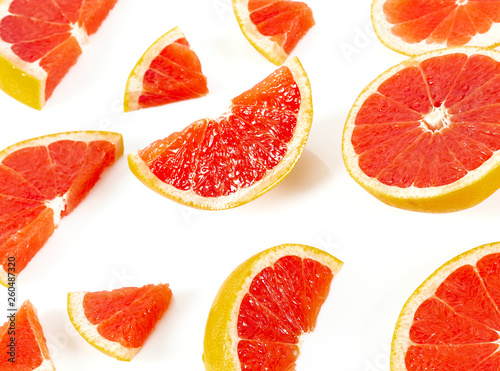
x: 413, y: 27
x: 29, y: 351
x: 273, y: 27
x: 225, y: 162
x: 452, y: 321
x: 40, y: 41
x: 41, y: 180
x: 425, y: 135
x: 169, y: 71
x: 118, y: 322
x: 264, y: 306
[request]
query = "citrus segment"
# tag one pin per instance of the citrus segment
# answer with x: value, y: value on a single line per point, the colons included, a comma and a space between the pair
x: 273, y: 27
x: 169, y: 71
x: 264, y: 306
x: 30, y: 351
x: 424, y: 135
x: 225, y: 162
x: 452, y: 320
x: 415, y: 26
x: 118, y: 322
x: 40, y: 41
x: 42, y: 180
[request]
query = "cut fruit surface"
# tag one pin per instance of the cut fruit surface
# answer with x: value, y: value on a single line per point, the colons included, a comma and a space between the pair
x: 43, y: 179
x: 425, y: 134
x: 41, y: 40
x: 264, y: 306
x: 29, y: 351
x: 228, y: 161
x: 169, y: 71
x: 412, y: 27
x: 118, y: 322
x: 273, y: 27
x: 452, y: 321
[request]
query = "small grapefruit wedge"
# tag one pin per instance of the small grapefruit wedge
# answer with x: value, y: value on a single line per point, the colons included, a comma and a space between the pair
x: 169, y: 71
x: 225, y: 162
x: 452, y: 321
x: 413, y: 27
x: 29, y: 351
x: 118, y: 322
x: 264, y: 306
x: 273, y: 27
x: 425, y: 135
x: 40, y: 41
x: 41, y: 180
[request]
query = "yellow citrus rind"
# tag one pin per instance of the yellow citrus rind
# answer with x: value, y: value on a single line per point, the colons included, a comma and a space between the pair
x: 401, y: 338
x: 295, y: 147
x: 466, y: 192
x: 221, y: 339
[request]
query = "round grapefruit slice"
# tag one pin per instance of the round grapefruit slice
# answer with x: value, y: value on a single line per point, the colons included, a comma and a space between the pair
x: 169, y: 71
x: 41, y: 180
x: 22, y: 342
x: 425, y: 135
x: 273, y: 27
x: 226, y: 162
x: 413, y: 27
x: 118, y: 322
x: 41, y: 40
x: 452, y: 321
x: 264, y: 306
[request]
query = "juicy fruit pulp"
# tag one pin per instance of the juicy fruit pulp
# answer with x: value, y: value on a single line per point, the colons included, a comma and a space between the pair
x: 283, y: 303
x: 30, y: 350
x: 447, y: 22
x: 43, y: 180
x: 44, y: 40
x: 165, y: 74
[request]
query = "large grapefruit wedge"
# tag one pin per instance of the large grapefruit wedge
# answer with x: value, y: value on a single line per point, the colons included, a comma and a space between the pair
x: 41, y: 180
x: 416, y: 26
x: 226, y: 162
x: 273, y: 27
x: 425, y: 135
x: 23, y: 344
x: 452, y: 321
x: 264, y: 306
x: 40, y: 41
x: 118, y: 322
x: 169, y: 71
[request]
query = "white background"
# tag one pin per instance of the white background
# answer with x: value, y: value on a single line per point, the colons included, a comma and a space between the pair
x: 123, y: 234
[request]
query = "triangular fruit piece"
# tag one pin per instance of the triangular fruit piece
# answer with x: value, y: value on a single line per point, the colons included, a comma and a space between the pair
x: 22, y: 342
x: 118, y: 322
x: 228, y: 161
x: 41, y: 180
x: 41, y: 40
x: 169, y: 71
x: 273, y: 27
x: 264, y: 307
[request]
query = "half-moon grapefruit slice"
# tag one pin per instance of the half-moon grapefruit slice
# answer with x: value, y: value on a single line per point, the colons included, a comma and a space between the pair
x: 273, y: 27
x: 43, y: 179
x: 22, y: 342
x: 169, y: 71
x: 225, y: 162
x: 452, y: 321
x: 265, y: 306
x: 118, y: 322
x: 40, y: 41
x: 425, y: 135
x: 413, y: 27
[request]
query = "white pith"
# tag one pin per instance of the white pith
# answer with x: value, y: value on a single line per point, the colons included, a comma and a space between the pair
x: 383, y: 30
x: 412, y: 192
x: 401, y: 340
x: 89, y: 331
